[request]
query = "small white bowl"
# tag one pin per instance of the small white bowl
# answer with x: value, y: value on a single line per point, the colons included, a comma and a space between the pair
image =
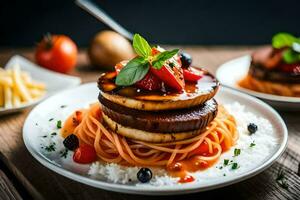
x: 234, y: 70
x: 55, y: 82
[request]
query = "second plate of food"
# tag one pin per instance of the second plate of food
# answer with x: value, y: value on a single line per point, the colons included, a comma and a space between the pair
x: 271, y: 73
x: 233, y: 71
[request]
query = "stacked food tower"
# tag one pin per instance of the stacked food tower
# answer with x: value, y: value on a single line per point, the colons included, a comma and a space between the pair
x: 168, y: 104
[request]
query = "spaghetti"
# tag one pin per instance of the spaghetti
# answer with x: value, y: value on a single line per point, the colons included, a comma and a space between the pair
x: 87, y: 125
x: 282, y: 89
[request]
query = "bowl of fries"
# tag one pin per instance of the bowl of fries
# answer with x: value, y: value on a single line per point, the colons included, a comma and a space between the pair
x: 17, y: 88
x: 24, y: 84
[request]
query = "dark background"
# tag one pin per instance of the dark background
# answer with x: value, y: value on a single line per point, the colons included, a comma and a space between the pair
x: 207, y: 22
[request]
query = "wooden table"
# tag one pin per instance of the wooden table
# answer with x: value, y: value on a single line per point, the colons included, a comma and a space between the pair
x: 54, y: 186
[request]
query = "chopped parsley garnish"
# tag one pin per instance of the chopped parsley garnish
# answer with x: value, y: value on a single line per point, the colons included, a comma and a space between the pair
x: 282, y: 180
x: 51, y: 119
x: 221, y: 167
x: 226, y: 161
x: 63, y: 106
x: 237, y: 152
x: 44, y: 136
x: 235, y: 166
x: 64, y: 153
x: 252, y: 144
x: 54, y: 133
x: 224, y: 174
x: 50, y: 148
x: 58, y: 124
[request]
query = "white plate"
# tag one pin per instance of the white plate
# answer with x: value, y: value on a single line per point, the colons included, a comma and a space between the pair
x: 232, y: 71
x: 55, y: 82
x: 38, y: 121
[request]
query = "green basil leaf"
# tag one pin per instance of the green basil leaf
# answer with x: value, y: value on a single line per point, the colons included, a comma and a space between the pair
x: 281, y: 40
x: 290, y: 56
x: 161, y: 58
x: 134, y: 71
x: 141, y: 46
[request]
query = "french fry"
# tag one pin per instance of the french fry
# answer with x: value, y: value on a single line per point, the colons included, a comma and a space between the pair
x: 16, y: 99
x: 26, y: 78
x: 7, y: 97
x: 6, y: 80
x: 19, y: 85
x: 1, y: 96
x: 35, y: 93
x: 36, y: 85
x: 17, y: 88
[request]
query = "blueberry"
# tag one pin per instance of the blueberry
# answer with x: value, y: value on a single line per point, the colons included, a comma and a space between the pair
x: 144, y: 175
x: 252, y: 128
x: 71, y: 142
x: 186, y: 59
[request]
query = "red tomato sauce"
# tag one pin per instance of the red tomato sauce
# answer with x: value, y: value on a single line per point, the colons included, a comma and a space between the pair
x: 182, y: 168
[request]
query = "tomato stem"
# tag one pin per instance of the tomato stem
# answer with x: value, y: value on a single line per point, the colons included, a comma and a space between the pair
x: 48, y: 41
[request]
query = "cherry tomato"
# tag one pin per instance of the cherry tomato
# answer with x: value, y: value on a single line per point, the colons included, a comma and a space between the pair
x: 84, y: 154
x: 57, y: 53
x: 202, y: 149
x: 192, y: 75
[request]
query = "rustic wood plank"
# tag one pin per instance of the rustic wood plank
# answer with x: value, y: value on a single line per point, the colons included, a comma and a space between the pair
x: 18, y: 181
x: 7, y: 190
x: 53, y: 186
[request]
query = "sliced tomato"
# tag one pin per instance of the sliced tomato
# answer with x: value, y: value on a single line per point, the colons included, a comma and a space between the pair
x: 171, y: 76
x: 192, y: 74
x: 149, y: 82
x: 85, y: 154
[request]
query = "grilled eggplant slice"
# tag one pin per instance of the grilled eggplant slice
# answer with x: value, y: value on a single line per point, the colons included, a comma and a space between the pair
x: 194, y: 94
x: 164, y: 121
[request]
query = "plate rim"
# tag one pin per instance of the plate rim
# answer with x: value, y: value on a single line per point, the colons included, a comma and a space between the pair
x: 270, y: 97
x: 166, y: 190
